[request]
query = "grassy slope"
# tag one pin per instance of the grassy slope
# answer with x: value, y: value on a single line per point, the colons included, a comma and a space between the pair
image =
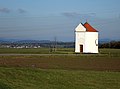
x: 24, y: 78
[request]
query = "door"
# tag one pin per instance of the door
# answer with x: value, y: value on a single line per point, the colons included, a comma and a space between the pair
x: 81, y: 48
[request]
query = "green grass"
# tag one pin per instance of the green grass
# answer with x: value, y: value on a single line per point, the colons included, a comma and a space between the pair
x: 4, y: 86
x: 24, y: 51
x: 30, y: 78
x: 36, y: 51
x: 108, y: 52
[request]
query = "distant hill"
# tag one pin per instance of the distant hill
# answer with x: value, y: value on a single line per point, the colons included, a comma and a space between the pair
x: 8, y: 40
x: 33, y: 41
x: 104, y: 40
x: 23, y: 41
x: 2, y: 40
x: 103, y: 43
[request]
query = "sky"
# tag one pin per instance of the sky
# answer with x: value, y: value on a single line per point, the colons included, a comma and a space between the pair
x: 47, y: 19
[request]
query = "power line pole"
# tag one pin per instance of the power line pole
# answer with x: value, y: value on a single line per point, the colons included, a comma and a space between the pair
x: 55, y: 43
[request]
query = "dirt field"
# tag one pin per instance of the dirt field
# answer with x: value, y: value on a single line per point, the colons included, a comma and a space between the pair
x: 107, y: 59
x: 62, y: 62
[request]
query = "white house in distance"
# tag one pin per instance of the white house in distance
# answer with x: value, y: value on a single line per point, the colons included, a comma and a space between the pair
x: 86, y: 39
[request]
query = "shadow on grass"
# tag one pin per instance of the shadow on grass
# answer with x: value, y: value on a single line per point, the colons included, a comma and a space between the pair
x: 4, y: 86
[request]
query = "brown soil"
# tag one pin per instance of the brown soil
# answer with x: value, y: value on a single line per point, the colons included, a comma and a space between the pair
x: 63, y: 62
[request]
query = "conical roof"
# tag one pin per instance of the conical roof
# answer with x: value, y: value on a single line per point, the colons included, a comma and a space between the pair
x: 89, y: 28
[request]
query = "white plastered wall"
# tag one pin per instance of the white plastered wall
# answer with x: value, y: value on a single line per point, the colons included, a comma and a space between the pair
x: 91, y: 42
x: 79, y: 37
x: 79, y: 40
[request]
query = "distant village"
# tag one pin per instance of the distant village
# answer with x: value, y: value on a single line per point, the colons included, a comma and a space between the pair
x: 35, y: 44
x: 52, y: 44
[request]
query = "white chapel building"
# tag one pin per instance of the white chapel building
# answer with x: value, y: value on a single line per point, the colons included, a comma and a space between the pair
x: 86, y: 39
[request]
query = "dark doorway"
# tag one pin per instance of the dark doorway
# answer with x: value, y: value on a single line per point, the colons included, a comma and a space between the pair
x: 81, y: 48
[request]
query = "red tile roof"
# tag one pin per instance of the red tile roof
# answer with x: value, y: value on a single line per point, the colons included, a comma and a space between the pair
x: 89, y: 28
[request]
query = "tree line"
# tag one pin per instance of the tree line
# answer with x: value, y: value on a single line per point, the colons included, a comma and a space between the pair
x: 111, y: 44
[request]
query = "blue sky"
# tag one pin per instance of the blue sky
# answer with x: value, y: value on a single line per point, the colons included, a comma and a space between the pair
x: 46, y: 19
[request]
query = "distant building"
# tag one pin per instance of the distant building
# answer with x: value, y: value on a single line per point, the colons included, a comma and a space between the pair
x: 86, y: 39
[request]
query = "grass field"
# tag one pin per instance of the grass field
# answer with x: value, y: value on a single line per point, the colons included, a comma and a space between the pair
x: 114, y: 52
x: 79, y: 71
x: 30, y: 78
x: 36, y: 51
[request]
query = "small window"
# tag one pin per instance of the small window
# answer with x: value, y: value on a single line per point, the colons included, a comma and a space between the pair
x: 96, y: 42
